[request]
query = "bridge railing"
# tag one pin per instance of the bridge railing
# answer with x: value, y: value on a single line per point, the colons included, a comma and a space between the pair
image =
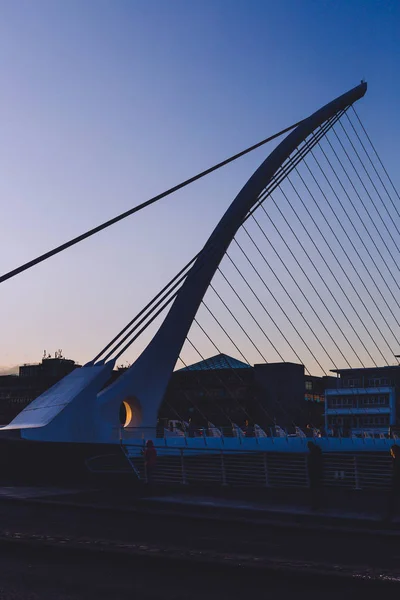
x: 242, y: 433
x: 222, y: 467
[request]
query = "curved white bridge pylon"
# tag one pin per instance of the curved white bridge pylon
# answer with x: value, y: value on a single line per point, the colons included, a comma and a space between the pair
x: 75, y: 410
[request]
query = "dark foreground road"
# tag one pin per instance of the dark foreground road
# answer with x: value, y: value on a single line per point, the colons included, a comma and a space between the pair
x: 43, y: 575
x: 56, y: 552
x: 180, y: 532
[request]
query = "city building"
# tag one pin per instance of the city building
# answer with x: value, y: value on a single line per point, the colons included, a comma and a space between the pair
x: 17, y: 391
x: 363, y: 399
x: 222, y: 389
x: 219, y: 389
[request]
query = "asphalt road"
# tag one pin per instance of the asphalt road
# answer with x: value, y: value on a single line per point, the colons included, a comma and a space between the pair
x: 27, y: 575
x: 174, y: 531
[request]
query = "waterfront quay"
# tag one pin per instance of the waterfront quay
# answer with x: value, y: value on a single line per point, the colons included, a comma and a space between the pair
x: 76, y: 543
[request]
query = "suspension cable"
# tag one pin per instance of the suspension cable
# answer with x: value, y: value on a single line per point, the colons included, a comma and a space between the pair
x: 194, y: 404
x: 370, y: 197
x: 380, y: 161
x: 238, y: 323
x: 346, y: 253
x: 140, y: 313
x: 139, y: 207
x: 234, y: 370
x: 377, y: 173
x: 198, y: 266
x: 289, y: 165
x: 164, y: 299
x: 325, y: 261
x: 265, y: 310
x: 217, y: 376
x: 135, y: 337
x: 187, y: 396
x: 360, y: 238
x: 369, y: 215
x: 290, y: 298
x: 249, y: 311
x: 308, y: 256
x: 282, y: 173
x: 282, y: 408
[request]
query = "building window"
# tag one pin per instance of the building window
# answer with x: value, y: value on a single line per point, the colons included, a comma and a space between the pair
x: 309, y: 386
x: 372, y: 421
x: 314, y: 398
x: 377, y: 381
x: 376, y: 400
x: 342, y: 402
x: 353, y: 382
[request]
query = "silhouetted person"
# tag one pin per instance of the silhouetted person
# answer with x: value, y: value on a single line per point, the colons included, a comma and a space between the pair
x: 309, y: 431
x: 248, y: 429
x: 150, y: 461
x: 315, y: 472
x: 191, y: 428
x: 394, y: 494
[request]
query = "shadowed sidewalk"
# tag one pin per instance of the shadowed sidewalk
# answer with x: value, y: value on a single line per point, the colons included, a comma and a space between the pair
x: 199, y: 529
x: 280, y: 508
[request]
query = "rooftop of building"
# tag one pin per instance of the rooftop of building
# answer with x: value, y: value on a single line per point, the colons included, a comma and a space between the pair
x: 220, y: 361
x: 364, y: 369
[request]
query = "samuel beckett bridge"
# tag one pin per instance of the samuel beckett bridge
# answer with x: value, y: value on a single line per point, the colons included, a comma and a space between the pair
x: 301, y: 268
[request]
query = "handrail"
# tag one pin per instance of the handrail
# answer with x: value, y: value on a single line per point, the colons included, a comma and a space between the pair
x: 265, y: 469
x: 200, y: 432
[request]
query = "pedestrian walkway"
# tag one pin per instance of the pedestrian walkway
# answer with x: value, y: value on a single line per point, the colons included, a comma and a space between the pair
x: 228, y: 507
x: 37, y: 526
x: 235, y: 533
x: 276, y: 513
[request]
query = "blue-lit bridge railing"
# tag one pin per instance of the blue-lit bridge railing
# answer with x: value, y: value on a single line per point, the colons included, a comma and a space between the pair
x: 360, y: 462
x: 262, y: 469
x: 255, y: 437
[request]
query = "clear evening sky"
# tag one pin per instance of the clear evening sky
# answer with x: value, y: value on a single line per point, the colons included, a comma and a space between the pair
x: 103, y: 104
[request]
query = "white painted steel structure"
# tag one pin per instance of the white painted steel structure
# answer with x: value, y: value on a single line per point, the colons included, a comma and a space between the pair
x: 78, y: 410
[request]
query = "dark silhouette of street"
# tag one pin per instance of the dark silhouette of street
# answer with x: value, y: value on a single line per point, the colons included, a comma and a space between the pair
x: 27, y: 575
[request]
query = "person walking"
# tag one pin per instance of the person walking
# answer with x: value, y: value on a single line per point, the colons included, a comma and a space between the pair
x: 150, y: 461
x: 191, y: 428
x: 248, y: 429
x: 315, y: 473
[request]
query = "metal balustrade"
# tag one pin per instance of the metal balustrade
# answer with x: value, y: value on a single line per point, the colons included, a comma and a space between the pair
x: 362, y: 471
x: 185, y: 466
x: 256, y: 432
x: 224, y: 461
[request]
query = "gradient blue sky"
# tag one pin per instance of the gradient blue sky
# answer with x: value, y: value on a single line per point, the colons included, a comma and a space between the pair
x: 106, y: 103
